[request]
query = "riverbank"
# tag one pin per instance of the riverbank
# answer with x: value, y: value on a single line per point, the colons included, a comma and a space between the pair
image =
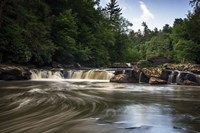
x: 180, y: 74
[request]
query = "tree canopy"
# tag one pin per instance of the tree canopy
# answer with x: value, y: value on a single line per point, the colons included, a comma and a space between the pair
x: 40, y: 32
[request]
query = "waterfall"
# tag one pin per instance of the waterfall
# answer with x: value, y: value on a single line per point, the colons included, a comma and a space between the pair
x: 35, y: 74
x: 72, y: 74
x: 90, y: 74
x: 170, y: 78
x: 55, y: 75
x: 140, y: 77
x: 44, y: 74
x: 178, y: 77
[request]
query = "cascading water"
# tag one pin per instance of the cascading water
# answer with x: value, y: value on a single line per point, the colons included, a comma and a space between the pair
x: 178, y: 77
x: 72, y: 74
x: 35, y: 74
x: 44, y: 74
x: 140, y: 77
x: 91, y: 74
x: 170, y: 78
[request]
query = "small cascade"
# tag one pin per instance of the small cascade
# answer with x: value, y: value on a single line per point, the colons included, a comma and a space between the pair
x: 55, y: 75
x: 77, y: 74
x: 68, y: 73
x: 140, y: 77
x: 44, y: 74
x: 178, y: 77
x: 35, y: 74
x: 90, y: 74
x: 198, y: 78
x: 170, y: 78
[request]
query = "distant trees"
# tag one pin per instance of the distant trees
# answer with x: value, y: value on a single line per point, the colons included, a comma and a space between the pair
x: 69, y: 31
x: 186, y: 36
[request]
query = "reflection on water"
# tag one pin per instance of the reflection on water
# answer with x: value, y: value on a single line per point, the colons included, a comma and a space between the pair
x: 94, y: 107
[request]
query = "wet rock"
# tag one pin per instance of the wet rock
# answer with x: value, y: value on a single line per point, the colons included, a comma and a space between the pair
x: 120, y: 78
x: 152, y: 72
x: 121, y: 65
x: 165, y: 74
x: 186, y: 78
x: 188, y: 82
x: 133, y: 76
x: 195, y: 68
x: 179, y: 67
x: 143, y: 78
x: 8, y: 72
x: 155, y: 81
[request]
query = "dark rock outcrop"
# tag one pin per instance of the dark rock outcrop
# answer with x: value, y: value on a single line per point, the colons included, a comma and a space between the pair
x: 195, y: 68
x: 188, y: 82
x: 120, y: 65
x: 129, y: 76
x: 187, y: 78
x: 158, y: 60
x: 8, y: 72
x: 143, y: 78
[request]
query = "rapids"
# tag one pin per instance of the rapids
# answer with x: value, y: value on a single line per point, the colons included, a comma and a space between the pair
x: 63, y: 106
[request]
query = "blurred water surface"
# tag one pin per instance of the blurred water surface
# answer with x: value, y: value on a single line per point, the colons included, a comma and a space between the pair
x: 97, y: 107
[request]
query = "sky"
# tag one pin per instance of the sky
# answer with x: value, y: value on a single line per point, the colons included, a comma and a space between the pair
x: 156, y: 13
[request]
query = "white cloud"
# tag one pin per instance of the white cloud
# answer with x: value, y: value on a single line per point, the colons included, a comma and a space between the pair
x: 146, y: 14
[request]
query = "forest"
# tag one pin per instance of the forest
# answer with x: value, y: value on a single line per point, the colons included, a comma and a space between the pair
x: 40, y: 32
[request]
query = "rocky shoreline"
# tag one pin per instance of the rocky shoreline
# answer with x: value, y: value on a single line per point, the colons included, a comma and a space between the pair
x: 180, y: 74
x: 13, y: 72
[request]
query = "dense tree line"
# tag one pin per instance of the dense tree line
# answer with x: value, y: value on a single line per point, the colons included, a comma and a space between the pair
x: 179, y: 43
x: 81, y: 31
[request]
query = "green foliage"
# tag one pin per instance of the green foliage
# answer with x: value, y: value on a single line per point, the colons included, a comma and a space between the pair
x: 159, y: 45
x: 64, y: 33
x: 187, y: 51
x: 13, y: 47
x: 70, y: 31
x: 132, y: 55
x: 186, y: 38
x: 143, y: 64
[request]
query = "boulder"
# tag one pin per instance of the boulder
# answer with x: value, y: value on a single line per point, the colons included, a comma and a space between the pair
x: 152, y: 72
x: 183, y: 77
x: 8, y: 72
x: 179, y: 67
x: 156, y: 81
x: 195, y: 68
x: 143, y: 78
x: 120, y: 78
x: 188, y: 82
x: 165, y: 74
x: 121, y: 65
x: 132, y: 75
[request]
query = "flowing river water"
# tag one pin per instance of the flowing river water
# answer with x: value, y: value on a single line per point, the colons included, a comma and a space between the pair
x: 83, y: 106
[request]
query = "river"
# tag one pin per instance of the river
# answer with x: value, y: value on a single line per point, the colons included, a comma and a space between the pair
x: 68, y: 106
